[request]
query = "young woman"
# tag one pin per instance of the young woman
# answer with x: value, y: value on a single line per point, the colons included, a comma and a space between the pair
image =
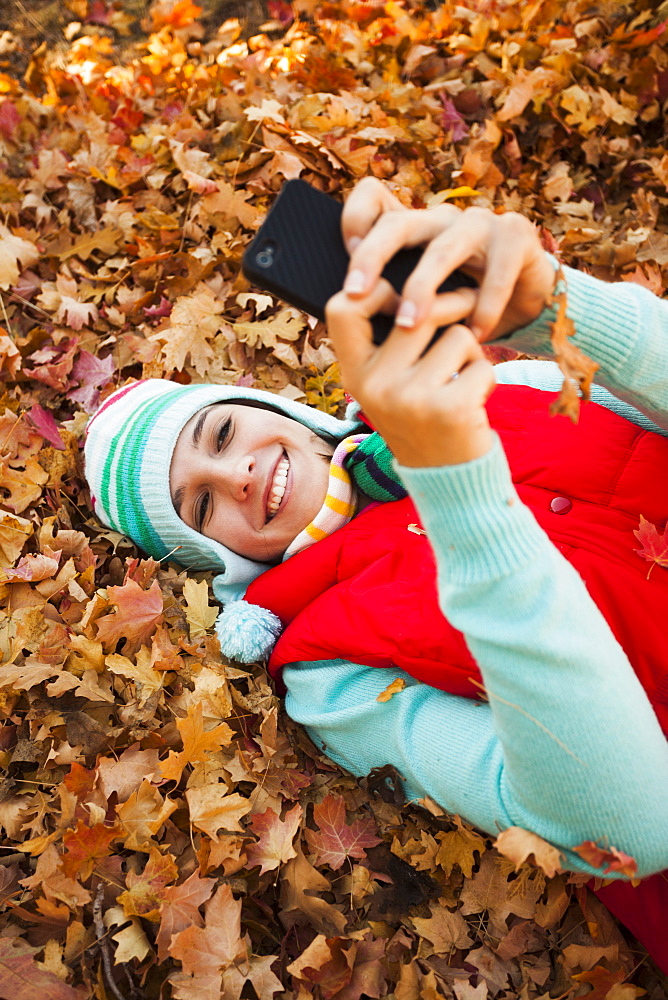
x: 511, y: 567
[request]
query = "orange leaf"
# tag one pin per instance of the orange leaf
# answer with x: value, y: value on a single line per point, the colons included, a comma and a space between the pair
x: 654, y: 545
x: 85, y: 846
x: 139, y: 612
x: 274, y: 845
x: 180, y: 909
x: 398, y: 684
x: 616, y: 860
x: 146, y: 892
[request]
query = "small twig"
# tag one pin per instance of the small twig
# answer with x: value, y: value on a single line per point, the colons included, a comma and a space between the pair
x: 103, y: 942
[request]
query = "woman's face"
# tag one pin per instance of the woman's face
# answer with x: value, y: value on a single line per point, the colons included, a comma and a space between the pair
x: 249, y: 478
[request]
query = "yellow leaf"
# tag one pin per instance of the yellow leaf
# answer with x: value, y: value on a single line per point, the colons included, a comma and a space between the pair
x: 210, y: 811
x: 397, y: 685
x: 199, y: 614
x: 147, y: 680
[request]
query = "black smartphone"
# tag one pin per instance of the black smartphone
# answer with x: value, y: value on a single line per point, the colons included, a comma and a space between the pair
x: 298, y: 254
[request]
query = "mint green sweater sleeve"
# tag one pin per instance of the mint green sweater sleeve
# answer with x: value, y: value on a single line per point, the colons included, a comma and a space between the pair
x: 568, y: 745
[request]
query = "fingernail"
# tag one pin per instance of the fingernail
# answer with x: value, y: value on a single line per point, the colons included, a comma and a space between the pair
x: 355, y: 282
x: 406, y: 315
x: 352, y: 243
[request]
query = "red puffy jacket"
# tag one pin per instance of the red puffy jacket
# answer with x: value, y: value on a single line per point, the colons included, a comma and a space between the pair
x: 368, y: 592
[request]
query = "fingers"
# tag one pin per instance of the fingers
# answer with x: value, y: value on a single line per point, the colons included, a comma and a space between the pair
x: 349, y: 328
x: 365, y: 204
x: 391, y: 231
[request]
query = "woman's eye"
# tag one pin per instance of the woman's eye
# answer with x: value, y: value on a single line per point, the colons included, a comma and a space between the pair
x: 223, y: 433
x: 200, y: 513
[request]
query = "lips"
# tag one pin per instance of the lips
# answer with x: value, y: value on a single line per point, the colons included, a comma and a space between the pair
x: 277, y: 486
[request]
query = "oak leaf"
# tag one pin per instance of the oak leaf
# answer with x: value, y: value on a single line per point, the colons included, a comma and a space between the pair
x: 458, y: 848
x: 518, y: 844
x: 139, y: 612
x: 577, y: 368
x: 274, y: 845
x: 335, y: 840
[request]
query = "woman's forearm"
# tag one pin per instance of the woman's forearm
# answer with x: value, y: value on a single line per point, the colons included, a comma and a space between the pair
x: 568, y: 747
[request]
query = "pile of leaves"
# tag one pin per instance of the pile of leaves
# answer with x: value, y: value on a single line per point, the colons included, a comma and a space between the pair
x: 166, y: 831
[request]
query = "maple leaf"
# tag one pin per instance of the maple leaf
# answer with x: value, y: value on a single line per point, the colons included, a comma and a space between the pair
x: 84, y: 846
x: 199, y: 614
x: 180, y: 909
x: 44, y: 423
x: 274, y: 845
x: 146, y: 679
x: 206, y: 951
x: 336, y: 840
x: 35, y: 567
x: 601, y: 979
x: 210, y: 811
x: 654, y: 545
x: 615, y: 860
x: 21, y: 978
x: 142, y: 815
x: 14, y: 250
x: 139, y: 612
x: 146, y: 892
x: 198, y: 743
x: 445, y: 929
x: 124, y: 775
x: 194, y: 322
x: 518, y: 844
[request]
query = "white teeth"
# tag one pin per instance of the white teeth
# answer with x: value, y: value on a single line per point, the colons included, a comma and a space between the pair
x: 278, y: 487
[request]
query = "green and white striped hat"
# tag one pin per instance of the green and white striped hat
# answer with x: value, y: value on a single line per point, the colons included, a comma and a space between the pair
x: 129, y: 445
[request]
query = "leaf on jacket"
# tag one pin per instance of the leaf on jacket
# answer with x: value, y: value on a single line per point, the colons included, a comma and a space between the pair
x: 398, y: 684
x: 654, y: 544
x: 614, y: 860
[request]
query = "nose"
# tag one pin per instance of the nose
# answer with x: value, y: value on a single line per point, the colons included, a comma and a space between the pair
x: 236, y: 475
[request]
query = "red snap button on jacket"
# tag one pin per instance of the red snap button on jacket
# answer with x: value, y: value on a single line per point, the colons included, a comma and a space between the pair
x: 560, y: 505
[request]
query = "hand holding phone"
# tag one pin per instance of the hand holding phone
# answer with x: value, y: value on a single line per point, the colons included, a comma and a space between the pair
x: 298, y: 254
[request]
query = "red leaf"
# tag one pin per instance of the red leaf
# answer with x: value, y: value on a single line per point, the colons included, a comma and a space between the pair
x: 654, y: 545
x: 335, y: 840
x: 616, y: 860
x: 44, y: 423
x: 22, y: 979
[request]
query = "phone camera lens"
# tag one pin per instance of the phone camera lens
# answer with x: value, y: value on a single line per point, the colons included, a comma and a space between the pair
x: 265, y: 257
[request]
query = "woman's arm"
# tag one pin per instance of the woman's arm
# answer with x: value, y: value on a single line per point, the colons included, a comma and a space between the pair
x: 567, y: 747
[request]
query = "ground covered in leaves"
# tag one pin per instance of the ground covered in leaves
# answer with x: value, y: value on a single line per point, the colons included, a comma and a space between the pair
x: 166, y: 832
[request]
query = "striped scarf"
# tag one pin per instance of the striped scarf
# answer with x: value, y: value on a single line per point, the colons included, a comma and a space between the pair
x: 361, y: 462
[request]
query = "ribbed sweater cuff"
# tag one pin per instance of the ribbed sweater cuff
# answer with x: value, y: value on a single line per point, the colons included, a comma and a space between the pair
x: 477, y: 525
x: 602, y: 332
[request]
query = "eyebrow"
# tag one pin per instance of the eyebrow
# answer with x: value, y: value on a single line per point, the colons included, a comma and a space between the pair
x: 199, y: 426
x: 177, y: 499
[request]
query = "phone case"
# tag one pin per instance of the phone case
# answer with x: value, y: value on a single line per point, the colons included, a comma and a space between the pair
x: 298, y: 254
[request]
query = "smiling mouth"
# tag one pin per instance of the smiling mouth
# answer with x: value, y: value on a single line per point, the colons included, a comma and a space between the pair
x: 277, y: 489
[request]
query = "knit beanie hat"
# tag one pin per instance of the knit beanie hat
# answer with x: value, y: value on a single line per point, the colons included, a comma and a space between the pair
x: 128, y: 451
